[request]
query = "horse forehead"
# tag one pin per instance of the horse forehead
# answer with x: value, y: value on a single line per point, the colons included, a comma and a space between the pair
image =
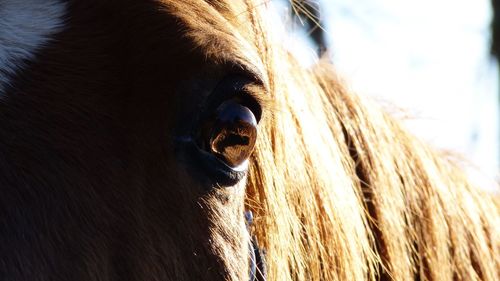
x: 223, y: 29
x: 216, y: 26
x: 25, y: 27
x: 215, y: 19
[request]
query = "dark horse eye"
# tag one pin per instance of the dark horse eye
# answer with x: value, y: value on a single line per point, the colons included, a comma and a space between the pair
x: 232, y: 133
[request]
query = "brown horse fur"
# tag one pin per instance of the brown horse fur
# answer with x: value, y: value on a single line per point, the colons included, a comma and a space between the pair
x: 92, y: 189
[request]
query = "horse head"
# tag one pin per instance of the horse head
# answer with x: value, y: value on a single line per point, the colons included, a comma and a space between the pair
x: 136, y: 135
x: 127, y: 128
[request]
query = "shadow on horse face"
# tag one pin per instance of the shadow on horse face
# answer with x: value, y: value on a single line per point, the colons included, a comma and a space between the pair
x: 131, y: 146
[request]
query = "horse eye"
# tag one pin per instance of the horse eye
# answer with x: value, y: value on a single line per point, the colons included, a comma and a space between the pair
x: 232, y: 133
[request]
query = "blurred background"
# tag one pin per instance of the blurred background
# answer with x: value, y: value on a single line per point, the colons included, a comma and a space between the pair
x: 435, y: 59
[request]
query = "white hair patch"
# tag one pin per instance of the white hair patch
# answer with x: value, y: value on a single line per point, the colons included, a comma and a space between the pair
x: 25, y: 27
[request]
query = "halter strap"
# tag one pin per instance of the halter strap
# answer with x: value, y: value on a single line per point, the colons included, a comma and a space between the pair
x: 258, y: 270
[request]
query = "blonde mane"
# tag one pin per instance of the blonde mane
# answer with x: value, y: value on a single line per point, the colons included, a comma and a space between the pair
x: 340, y: 191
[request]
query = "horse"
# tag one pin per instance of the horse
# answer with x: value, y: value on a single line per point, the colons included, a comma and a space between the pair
x: 137, y: 137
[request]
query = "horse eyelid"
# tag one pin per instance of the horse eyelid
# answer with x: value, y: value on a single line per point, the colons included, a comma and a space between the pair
x: 254, y: 97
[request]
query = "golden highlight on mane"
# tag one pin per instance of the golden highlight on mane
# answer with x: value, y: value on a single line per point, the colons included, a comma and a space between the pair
x: 339, y: 190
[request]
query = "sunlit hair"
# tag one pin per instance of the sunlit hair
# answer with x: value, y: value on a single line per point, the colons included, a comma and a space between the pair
x: 341, y: 191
